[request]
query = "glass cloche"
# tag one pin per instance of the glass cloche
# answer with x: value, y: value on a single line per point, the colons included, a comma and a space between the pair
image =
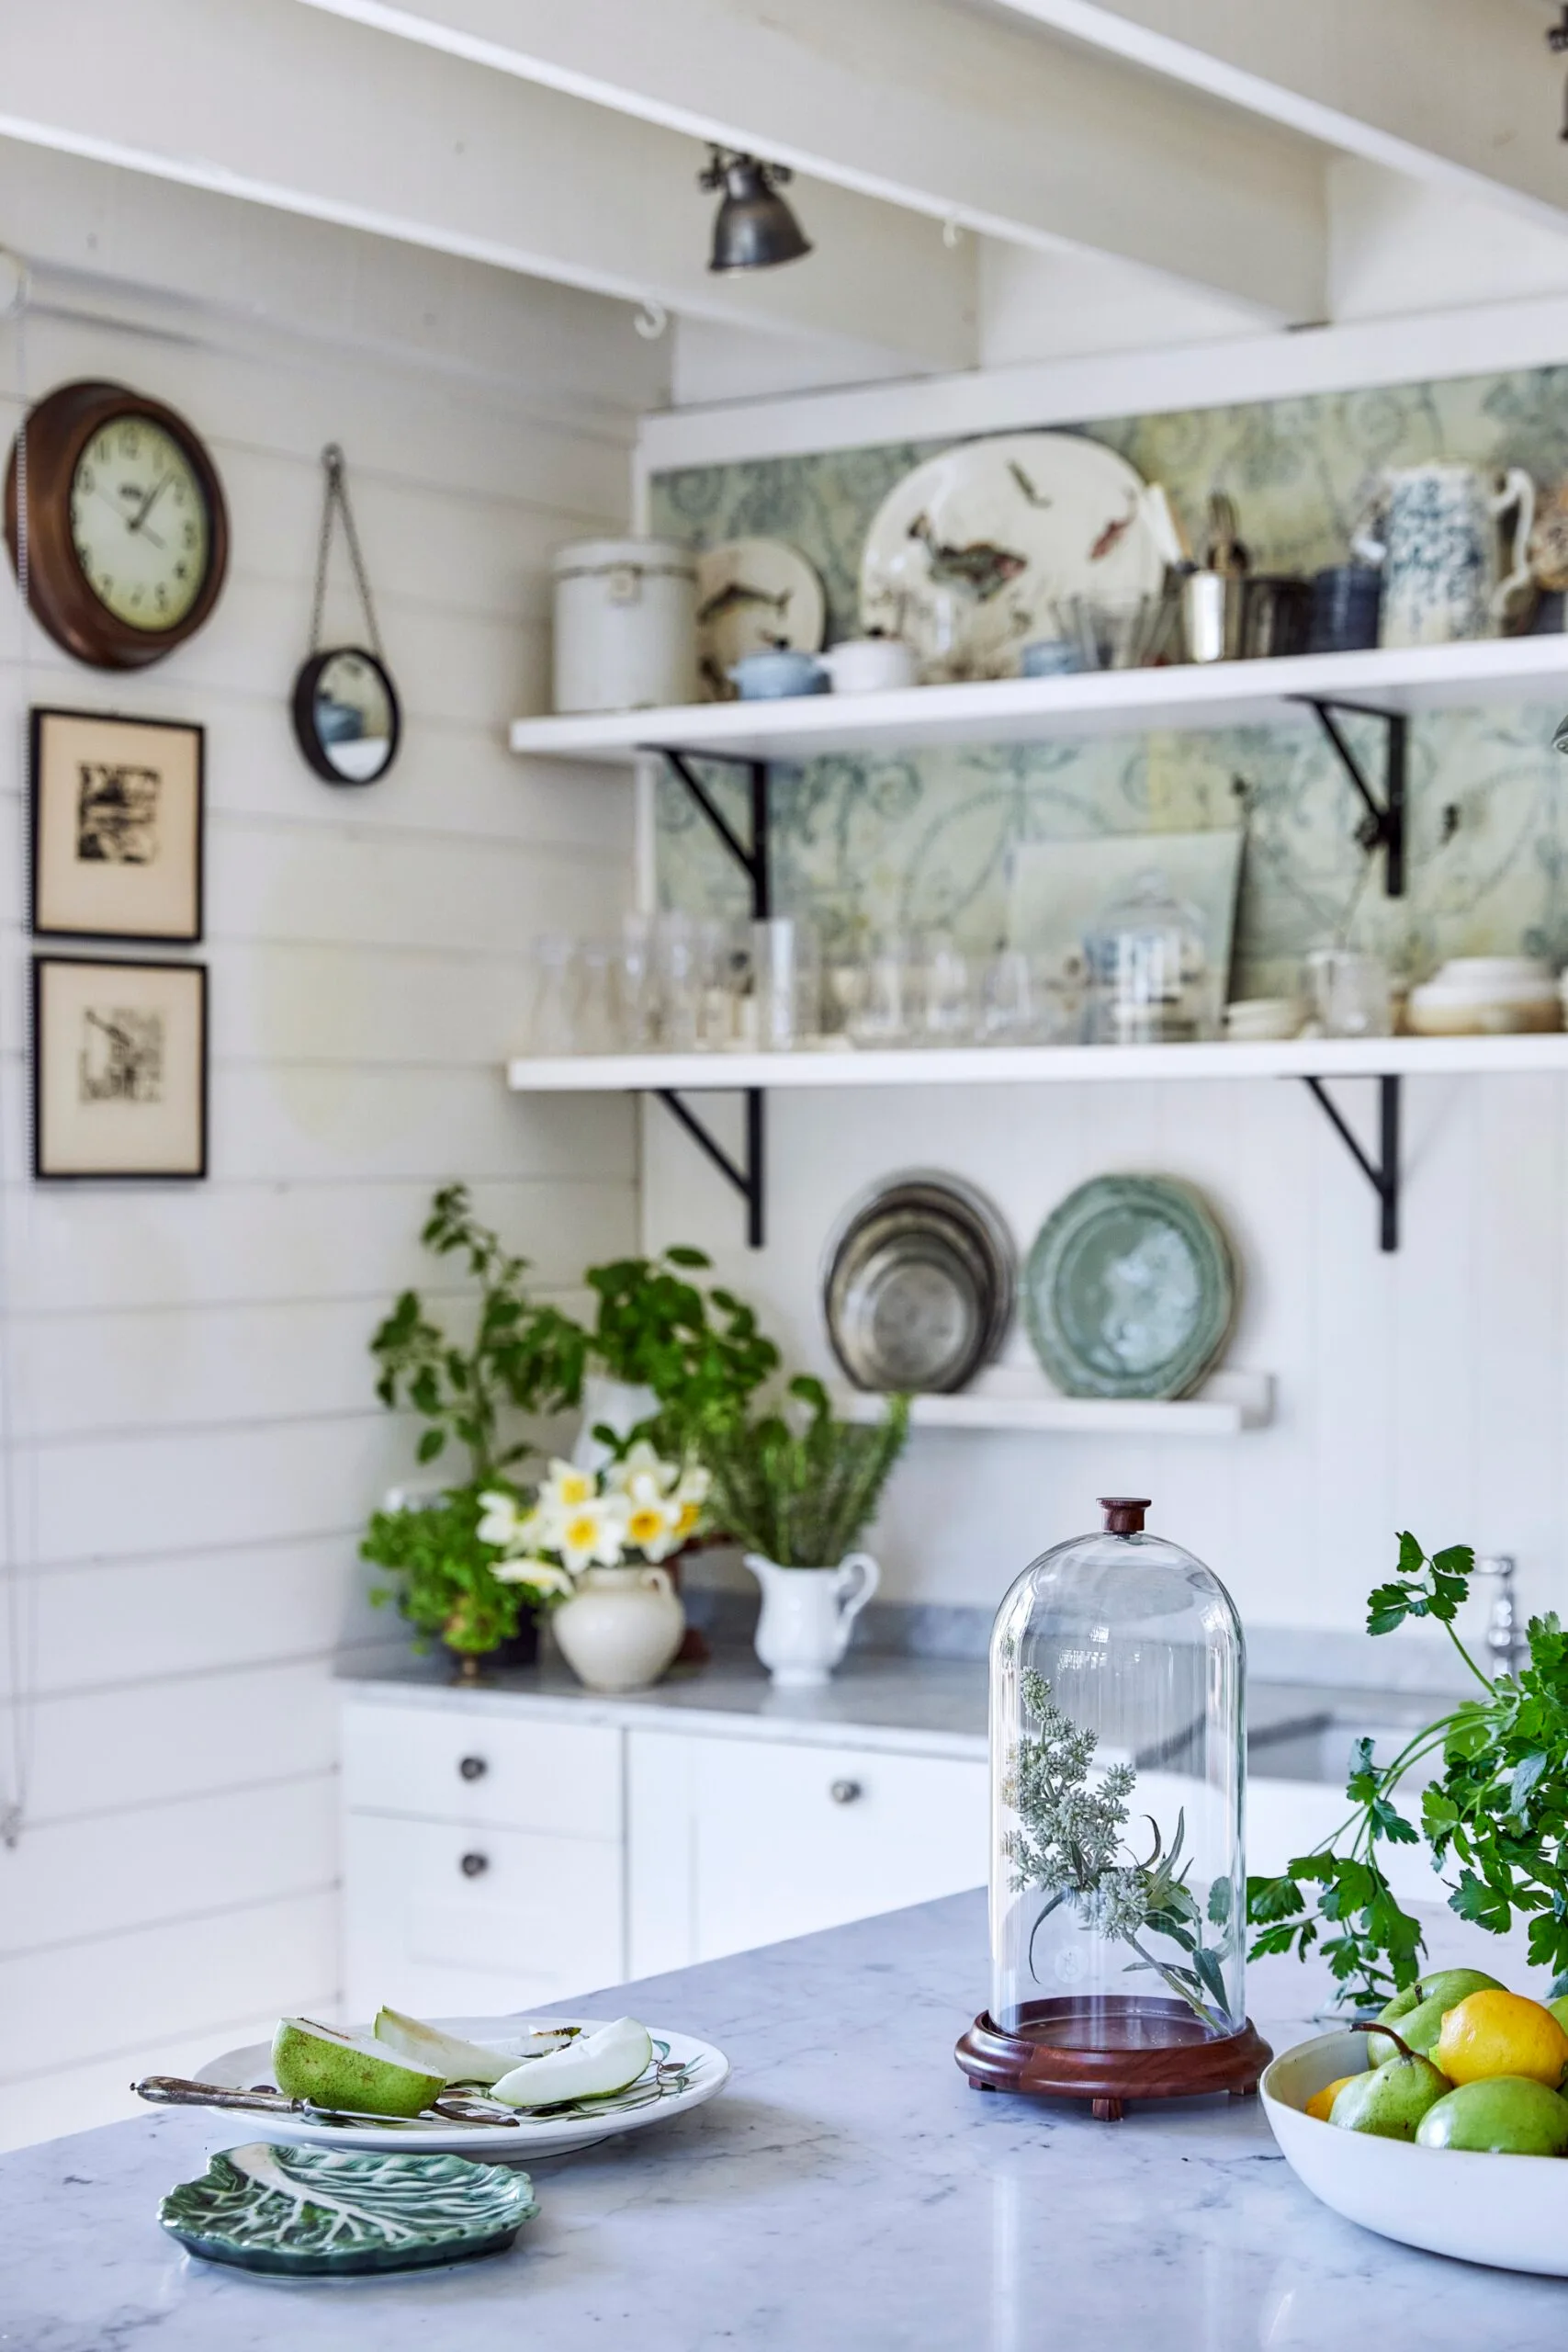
x: 1118, y: 1888
x: 1151, y: 981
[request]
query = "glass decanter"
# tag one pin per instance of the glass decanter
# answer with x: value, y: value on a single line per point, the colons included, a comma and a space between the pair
x: 1118, y: 1886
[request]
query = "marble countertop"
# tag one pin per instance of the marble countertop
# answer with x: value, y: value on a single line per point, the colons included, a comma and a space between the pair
x: 847, y: 2188
x: 887, y: 1699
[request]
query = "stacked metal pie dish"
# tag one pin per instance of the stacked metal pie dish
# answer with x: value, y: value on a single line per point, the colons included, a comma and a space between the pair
x: 920, y: 1283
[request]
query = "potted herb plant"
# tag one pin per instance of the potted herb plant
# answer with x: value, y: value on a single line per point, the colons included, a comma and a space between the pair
x: 796, y: 1498
x: 665, y: 1354
x: 522, y: 1358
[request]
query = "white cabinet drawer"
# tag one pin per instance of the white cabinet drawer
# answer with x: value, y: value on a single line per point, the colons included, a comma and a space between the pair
x: 474, y: 1921
x: 479, y: 1769
x: 783, y: 1839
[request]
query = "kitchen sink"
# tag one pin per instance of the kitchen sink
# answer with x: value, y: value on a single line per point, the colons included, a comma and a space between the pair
x: 1300, y: 1734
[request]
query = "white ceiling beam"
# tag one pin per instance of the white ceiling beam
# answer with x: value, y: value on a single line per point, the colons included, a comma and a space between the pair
x: 283, y: 105
x: 1459, y: 93
x: 928, y: 104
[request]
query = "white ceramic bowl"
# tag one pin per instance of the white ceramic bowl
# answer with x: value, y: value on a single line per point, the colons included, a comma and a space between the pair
x: 1510, y: 2212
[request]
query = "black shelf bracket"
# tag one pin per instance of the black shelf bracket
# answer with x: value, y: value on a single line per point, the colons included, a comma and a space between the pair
x: 1382, y: 825
x: 1381, y: 1174
x: 750, y: 1178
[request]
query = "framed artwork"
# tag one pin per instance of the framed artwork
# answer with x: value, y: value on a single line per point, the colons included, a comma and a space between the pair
x: 120, y: 1069
x: 117, y: 827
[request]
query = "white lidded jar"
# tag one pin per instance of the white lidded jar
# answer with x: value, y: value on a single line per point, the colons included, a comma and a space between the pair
x: 625, y: 625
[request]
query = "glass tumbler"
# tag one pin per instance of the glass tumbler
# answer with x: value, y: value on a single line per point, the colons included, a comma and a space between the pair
x: 1350, y: 994
x: 553, y: 1019
x: 637, y: 984
x: 887, y: 1012
x: 680, y: 984
x: 788, y: 983
x: 947, y: 995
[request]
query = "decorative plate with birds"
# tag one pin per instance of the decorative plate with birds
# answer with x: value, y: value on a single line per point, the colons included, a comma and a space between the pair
x: 973, y: 555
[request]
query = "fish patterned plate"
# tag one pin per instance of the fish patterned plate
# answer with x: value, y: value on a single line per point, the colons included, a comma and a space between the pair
x: 972, y: 554
x: 753, y: 594
x: 684, y: 2073
x: 327, y: 2212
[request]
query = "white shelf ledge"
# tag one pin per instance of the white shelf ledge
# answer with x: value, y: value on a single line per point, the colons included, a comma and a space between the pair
x: 1010, y: 1399
x: 1040, y: 1065
x: 1190, y: 699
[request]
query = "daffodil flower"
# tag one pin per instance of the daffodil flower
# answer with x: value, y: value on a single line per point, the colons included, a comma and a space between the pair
x: 593, y: 1534
x: 651, y: 1527
x: 500, y: 1522
x: 642, y: 1467
x: 540, y: 1576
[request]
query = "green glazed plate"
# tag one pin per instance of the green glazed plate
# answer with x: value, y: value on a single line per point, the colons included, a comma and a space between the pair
x: 1131, y: 1289
x: 327, y: 2212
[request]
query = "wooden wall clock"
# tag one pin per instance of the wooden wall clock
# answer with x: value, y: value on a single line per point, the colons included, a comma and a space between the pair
x: 127, y: 535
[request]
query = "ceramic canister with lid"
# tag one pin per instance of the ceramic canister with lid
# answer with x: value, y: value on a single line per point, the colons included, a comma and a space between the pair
x: 625, y: 625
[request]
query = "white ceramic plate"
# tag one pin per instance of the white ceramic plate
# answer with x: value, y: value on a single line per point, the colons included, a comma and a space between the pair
x: 1008, y: 527
x: 753, y: 594
x: 1510, y: 2212
x: 702, y: 2071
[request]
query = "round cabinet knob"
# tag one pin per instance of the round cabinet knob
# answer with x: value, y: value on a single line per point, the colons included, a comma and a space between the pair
x: 845, y: 1792
x: 473, y: 1768
x: 474, y: 1865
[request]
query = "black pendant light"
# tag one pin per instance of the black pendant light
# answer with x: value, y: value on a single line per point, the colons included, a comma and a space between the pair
x: 754, y: 228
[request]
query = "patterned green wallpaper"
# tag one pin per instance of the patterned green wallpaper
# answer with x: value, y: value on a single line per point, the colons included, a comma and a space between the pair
x: 908, y: 843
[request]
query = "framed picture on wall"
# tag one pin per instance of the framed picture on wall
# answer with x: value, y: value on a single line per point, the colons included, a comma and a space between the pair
x: 117, y: 827
x: 120, y: 1069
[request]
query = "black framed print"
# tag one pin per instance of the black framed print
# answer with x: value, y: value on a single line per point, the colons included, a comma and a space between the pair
x: 117, y: 827
x: 120, y: 1069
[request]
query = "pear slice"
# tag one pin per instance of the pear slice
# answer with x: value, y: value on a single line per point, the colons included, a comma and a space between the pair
x: 363, y: 2078
x: 456, y: 2061
x: 590, y: 2067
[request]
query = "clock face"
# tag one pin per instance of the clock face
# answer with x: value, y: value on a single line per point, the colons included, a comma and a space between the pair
x: 140, y: 524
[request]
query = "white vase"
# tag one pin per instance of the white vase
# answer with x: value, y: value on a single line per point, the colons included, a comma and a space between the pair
x: 617, y: 1405
x: 807, y: 1615
x: 621, y: 1627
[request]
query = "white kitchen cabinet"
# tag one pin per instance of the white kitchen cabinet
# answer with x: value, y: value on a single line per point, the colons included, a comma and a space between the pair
x: 734, y: 1843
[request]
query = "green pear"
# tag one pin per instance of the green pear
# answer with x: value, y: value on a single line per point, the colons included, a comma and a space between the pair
x: 1389, y: 2100
x: 1505, y: 2115
x: 1419, y: 2010
x: 334, y: 2069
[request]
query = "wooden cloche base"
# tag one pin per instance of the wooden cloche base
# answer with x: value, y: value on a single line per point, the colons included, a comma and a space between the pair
x: 1109, y: 2052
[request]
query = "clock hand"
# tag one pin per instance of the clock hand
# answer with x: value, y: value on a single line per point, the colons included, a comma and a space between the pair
x: 139, y: 517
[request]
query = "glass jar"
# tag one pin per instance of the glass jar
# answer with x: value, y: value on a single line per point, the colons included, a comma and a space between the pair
x: 1118, y: 1888
x: 1150, y: 979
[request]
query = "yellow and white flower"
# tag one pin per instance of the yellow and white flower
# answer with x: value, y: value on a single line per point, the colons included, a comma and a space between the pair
x: 591, y: 1533
x: 502, y: 1521
x: 542, y: 1576
x: 640, y: 1466
x: 568, y: 1486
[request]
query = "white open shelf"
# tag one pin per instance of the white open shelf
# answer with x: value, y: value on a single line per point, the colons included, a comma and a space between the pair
x: 1008, y: 1398
x: 1191, y: 698
x: 1039, y: 1065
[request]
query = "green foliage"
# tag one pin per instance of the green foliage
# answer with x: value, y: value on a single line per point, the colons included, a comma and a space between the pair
x: 446, y: 1585
x: 701, y: 1353
x: 1068, y: 1845
x: 524, y: 1356
x: 1495, y: 1819
x: 799, y: 1497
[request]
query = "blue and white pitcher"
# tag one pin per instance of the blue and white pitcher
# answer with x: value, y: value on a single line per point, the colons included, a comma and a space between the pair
x: 1445, y: 576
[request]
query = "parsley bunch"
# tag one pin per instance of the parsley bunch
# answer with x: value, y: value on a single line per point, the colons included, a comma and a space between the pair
x: 1495, y: 1819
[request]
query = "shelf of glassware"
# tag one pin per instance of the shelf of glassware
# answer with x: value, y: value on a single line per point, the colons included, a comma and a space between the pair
x: 1009, y: 1397
x: 1189, y: 698
x: 825, y: 1068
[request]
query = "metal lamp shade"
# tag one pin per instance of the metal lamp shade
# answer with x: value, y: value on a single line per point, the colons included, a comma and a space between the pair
x: 754, y: 228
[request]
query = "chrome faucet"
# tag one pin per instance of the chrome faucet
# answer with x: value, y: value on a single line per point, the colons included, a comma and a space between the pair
x: 1505, y: 1643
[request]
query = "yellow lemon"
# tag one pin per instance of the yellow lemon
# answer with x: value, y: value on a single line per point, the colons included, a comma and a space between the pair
x: 1501, y: 2033
x: 1321, y: 2101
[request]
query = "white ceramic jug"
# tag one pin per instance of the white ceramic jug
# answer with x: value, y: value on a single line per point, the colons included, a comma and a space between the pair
x: 1441, y: 540
x: 621, y: 1627
x: 807, y: 1614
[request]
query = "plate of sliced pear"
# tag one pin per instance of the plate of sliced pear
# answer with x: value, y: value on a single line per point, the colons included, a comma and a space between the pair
x: 1443, y: 2122
x: 505, y: 2089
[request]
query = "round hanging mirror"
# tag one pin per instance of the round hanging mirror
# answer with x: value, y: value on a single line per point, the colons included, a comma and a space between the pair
x: 347, y: 717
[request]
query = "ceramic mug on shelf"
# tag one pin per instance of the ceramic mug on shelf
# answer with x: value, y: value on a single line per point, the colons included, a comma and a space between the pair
x: 1445, y: 578
x: 869, y: 666
x: 809, y: 1615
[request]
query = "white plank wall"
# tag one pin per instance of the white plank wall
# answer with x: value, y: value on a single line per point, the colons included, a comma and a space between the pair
x: 195, y: 1442
x: 1427, y: 1389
